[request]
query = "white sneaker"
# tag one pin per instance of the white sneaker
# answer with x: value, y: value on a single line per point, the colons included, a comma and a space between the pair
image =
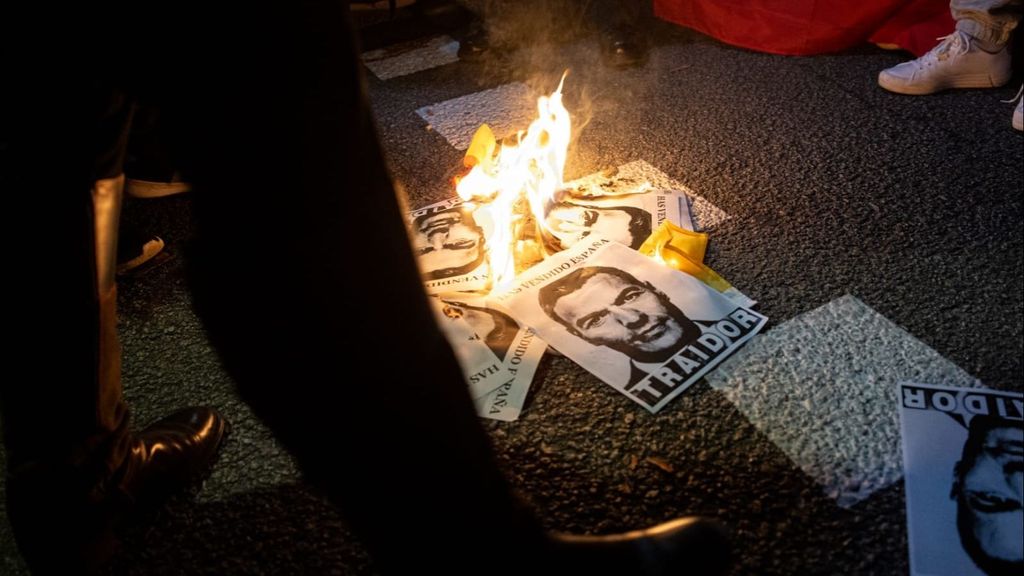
x: 954, y: 63
x: 1018, y: 112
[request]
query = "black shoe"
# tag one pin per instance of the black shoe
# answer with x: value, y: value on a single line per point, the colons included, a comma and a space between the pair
x: 67, y: 522
x: 691, y: 546
x: 171, y: 456
x: 135, y: 249
x: 622, y: 47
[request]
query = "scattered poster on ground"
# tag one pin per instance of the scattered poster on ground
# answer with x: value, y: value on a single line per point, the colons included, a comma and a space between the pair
x: 450, y: 245
x: 963, y: 459
x: 645, y: 329
x: 484, y: 372
x: 519, y: 348
x: 626, y: 219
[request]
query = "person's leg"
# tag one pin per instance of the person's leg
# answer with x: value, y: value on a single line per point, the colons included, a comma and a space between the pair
x: 973, y: 56
x: 57, y: 451
x: 322, y: 320
x: 149, y: 169
x: 988, y: 22
x: 74, y: 470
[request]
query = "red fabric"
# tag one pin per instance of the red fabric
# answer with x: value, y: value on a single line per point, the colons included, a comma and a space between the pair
x: 801, y: 27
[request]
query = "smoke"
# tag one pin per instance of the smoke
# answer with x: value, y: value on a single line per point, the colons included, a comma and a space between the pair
x: 525, y: 37
x: 528, y: 23
x: 536, y: 41
x: 527, y: 41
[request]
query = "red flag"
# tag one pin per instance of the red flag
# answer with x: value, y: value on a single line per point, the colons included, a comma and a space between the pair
x: 802, y: 27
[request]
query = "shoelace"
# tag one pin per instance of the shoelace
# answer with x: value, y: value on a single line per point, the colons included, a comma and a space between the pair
x: 1014, y: 99
x: 953, y: 44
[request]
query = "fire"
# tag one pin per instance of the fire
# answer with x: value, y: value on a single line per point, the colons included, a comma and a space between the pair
x: 515, y: 182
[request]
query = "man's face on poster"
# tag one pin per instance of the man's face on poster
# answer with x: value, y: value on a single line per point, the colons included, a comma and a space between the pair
x: 448, y: 243
x: 496, y: 328
x: 626, y: 315
x: 990, y: 490
x: 570, y: 223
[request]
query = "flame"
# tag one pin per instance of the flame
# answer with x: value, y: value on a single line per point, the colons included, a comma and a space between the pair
x: 515, y: 182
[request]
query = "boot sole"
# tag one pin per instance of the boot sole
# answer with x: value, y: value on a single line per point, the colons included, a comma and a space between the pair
x: 148, y: 189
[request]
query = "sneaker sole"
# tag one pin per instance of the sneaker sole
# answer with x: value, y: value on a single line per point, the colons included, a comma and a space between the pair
x: 893, y: 84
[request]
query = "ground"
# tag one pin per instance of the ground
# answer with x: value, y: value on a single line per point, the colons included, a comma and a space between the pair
x: 881, y: 234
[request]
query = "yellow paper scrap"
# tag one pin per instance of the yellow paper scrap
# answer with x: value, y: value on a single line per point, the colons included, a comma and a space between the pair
x: 683, y: 250
x: 481, y: 148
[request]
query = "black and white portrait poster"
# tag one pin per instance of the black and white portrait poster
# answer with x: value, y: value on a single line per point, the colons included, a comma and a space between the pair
x: 963, y: 460
x: 484, y: 372
x: 449, y: 241
x: 645, y: 329
x: 519, y: 348
x: 626, y: 219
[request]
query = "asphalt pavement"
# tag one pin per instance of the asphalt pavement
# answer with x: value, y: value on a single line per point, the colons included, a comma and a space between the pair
x: 881, y: 235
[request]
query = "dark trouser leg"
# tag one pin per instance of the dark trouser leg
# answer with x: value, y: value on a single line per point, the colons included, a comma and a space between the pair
x: 67, y: 432
x: 304, y: 276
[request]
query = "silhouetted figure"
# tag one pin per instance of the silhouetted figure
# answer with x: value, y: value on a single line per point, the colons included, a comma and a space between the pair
x: 283, y: 154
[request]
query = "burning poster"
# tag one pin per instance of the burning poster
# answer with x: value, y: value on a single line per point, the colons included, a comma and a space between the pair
x: 483, y: 370
x: 449, y: 241
x: 963, y: 460
x: 621, y: 181
x: 519, y: 348
x: 627, y: 219
x: 643, y: 328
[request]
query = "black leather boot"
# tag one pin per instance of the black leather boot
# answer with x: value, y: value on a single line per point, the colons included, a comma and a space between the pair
x: 171, y: 456
x: 66, y: 521
x: 685, y: 546
x: 76, y: 474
